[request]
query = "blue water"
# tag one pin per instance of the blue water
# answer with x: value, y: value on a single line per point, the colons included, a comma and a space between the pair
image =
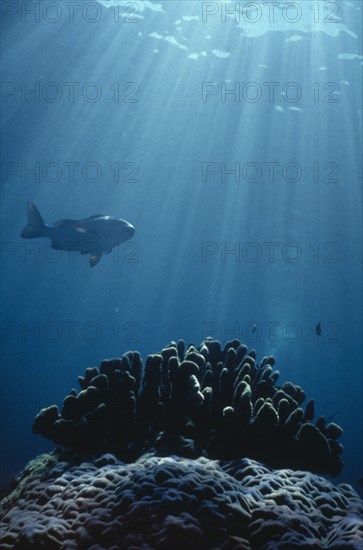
x: 214, y: 253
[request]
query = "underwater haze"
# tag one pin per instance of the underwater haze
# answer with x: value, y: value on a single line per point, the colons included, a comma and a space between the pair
x: 229, y: 134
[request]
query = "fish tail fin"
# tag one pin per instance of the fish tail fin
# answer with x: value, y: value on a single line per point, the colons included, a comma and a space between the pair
x: 36, y: 225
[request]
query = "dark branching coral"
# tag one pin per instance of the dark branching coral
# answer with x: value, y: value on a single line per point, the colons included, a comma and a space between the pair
x: 203, y: 401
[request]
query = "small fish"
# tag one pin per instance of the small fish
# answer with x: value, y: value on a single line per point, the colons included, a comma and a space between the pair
x: 318, y: 329
x: 94, y: 236
x: 254, y: 328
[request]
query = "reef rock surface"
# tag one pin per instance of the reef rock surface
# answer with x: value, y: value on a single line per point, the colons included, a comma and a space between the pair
x: 63, y: 501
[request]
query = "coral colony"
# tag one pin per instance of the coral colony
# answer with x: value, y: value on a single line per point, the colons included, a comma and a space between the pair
x: 198, y: 449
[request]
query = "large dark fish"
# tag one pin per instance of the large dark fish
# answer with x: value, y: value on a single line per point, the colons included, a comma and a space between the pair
x: 318, y: 329
x: 93, y: 236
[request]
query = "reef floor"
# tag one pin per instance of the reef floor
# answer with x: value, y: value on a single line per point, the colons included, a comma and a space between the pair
x: 65, y: 501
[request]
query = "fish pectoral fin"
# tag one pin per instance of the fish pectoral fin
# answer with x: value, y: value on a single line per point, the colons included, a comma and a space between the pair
x: 81, y: 229
x: 95, y: 258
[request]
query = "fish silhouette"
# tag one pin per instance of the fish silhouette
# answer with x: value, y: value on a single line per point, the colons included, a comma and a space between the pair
x: 94, y: 236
